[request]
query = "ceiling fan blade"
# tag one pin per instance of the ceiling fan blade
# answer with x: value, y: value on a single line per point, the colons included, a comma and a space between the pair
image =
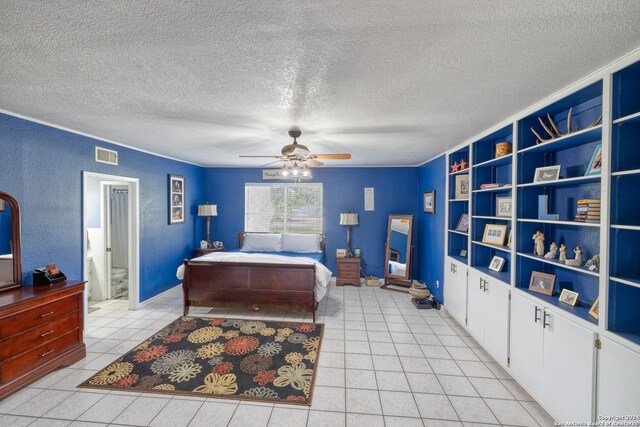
x: 333, y: 156
x: 270, y: 163
x: 273, y: 157
x: 313, y: 162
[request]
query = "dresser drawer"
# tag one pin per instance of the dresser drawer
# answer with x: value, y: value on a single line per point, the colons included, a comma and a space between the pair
x: 37, y: 316
x: 348, y: 275
x: 39, y: 335
x: 38, y: 355
x: 348, y: 266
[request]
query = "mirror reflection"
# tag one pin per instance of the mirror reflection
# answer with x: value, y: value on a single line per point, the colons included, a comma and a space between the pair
x: 6, y: 257
x: 398, y: 242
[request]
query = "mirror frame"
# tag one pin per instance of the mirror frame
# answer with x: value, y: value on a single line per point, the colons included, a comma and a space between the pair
x: 408, y: 272
x: 15, y: 243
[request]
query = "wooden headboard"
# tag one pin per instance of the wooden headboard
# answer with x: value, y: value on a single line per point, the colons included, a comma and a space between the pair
x: 323, y: 239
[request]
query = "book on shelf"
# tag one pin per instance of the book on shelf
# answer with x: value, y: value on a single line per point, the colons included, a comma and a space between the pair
x: 589, y: 202
x: 492, y: 185
x: 588, y: 210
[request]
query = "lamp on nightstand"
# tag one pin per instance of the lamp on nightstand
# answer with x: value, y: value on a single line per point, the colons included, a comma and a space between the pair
x: 208, y: 211
x: 349, y: 219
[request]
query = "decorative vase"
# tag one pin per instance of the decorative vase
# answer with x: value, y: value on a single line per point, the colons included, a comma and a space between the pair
x: 419, y: 291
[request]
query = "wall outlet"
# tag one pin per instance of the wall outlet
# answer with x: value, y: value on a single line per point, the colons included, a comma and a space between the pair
x: 437, y: 284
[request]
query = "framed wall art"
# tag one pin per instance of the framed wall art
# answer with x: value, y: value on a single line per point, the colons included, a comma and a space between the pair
x: 494, y: 234
x: 542, y: 283
x: 504, y: 206
x: 429, y: 199
x: 546, y: 174
x: 176, y: 199
x: 462, y: 186
x: 568, y: 297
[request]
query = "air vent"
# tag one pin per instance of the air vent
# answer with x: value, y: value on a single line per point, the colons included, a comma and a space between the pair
x: 106, y: 156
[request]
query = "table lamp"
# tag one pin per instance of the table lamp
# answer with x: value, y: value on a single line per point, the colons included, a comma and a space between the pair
x: 208, y: 211
x: 349, y: 219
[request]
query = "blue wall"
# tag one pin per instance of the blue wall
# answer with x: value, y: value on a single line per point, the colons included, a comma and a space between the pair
x: 432, y: 176
x: 42, y: 168
x: 395, y: 190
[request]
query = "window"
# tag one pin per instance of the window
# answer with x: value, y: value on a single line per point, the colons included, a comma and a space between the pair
x: 279, y: 208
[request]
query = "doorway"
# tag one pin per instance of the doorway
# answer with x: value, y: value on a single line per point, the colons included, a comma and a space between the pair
x: 110, y: 240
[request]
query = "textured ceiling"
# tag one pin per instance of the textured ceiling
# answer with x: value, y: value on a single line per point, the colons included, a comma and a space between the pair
x: 392, y: 82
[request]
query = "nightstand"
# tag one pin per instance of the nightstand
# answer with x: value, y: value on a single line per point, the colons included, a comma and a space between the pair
x: 348, y: 271
x: 200, y: 252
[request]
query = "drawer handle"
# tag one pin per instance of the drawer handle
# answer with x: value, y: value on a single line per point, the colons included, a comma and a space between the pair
x: 536, y: 318
x: 46, y: 333
x: 544, y: 320
x: 46, y: 314
x: 46, y: 353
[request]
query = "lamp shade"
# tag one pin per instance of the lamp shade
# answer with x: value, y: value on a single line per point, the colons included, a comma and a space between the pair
x: 208, y: 210
x: 348, y: 219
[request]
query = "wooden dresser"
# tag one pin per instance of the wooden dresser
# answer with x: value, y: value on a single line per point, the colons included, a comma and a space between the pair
x: 41, y: 328
x: 348, y: 271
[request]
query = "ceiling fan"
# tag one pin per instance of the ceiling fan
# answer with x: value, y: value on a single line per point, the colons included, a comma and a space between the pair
x: 297, y: 153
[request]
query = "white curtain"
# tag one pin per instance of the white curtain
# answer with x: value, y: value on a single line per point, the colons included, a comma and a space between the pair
x: 119, y: 228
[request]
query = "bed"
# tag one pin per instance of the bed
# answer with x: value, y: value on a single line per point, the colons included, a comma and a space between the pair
x: 260, y: 271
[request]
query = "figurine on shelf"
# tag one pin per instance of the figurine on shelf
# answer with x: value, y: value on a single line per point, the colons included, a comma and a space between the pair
x: 463, y: 165
x: 563, y: 253
x: 577, y: 261
x: 454, y: 167
x: 553, y: 251
x: 538, y: 243
x: 594, y: 263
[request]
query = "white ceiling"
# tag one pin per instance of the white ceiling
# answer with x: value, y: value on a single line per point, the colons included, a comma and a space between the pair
x: 392, y: 82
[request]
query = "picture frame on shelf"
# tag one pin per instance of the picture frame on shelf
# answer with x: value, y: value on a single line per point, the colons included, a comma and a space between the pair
x: 547, y: 174
x: 594, y: 311
x: 568, y: 297
x: 496, y: 264
x: 542, y: 283
x: 429, y: 199
x: 462, y: 187
x: 463, y: 253
x: 510, y: 239
x: 494, y: 234
x: 463, y: 223
x: 341, y: 253
x: 504, y: 207
x: 595, y: 165
x: 176, y: 199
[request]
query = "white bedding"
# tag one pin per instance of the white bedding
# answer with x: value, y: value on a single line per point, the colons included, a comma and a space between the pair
x: 323, y: 274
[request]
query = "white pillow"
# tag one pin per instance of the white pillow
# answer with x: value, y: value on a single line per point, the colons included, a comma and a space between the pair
x: 262, y: 242
x: 303, y: 243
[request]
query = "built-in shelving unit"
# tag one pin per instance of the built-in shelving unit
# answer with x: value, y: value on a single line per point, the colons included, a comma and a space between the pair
x: 624, y: 234
x: 491, y: 167
x: 458, y: 241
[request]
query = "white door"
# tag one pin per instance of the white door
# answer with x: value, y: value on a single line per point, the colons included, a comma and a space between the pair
x: 496, y: 325
x: 476, y: 305
x: 455, y: 290
x: 526, y: 342
x: 618, y: 379
x: 106, y: 204
x: 568, y: 368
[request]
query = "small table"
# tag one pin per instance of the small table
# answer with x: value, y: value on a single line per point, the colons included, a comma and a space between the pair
x: 200, y: 252
x: 348, y: 271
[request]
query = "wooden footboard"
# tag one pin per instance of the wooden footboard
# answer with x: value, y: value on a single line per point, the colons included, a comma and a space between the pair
x: 219, y: 282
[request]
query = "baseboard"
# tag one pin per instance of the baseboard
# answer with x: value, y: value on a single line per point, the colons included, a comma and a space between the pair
x: 156, y: 297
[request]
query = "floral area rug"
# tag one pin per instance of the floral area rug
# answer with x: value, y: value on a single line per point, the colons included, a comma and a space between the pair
x: 225, y: 358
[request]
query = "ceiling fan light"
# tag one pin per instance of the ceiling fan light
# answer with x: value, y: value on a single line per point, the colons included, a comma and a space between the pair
x: 305, y: 171
x: 295, y: 170
x: 284, y: 171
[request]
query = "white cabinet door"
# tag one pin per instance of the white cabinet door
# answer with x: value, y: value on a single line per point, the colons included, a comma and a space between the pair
x: 618, y: 380
x: 476, y: 305
x: 455, y: 289
x: 496, y: 325
x: 568, y: 368
x: 526, y: 343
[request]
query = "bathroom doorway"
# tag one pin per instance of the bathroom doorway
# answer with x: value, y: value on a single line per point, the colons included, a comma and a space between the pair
x: 111, y: 241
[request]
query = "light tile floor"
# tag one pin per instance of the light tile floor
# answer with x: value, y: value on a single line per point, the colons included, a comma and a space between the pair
x: 382, y: 363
